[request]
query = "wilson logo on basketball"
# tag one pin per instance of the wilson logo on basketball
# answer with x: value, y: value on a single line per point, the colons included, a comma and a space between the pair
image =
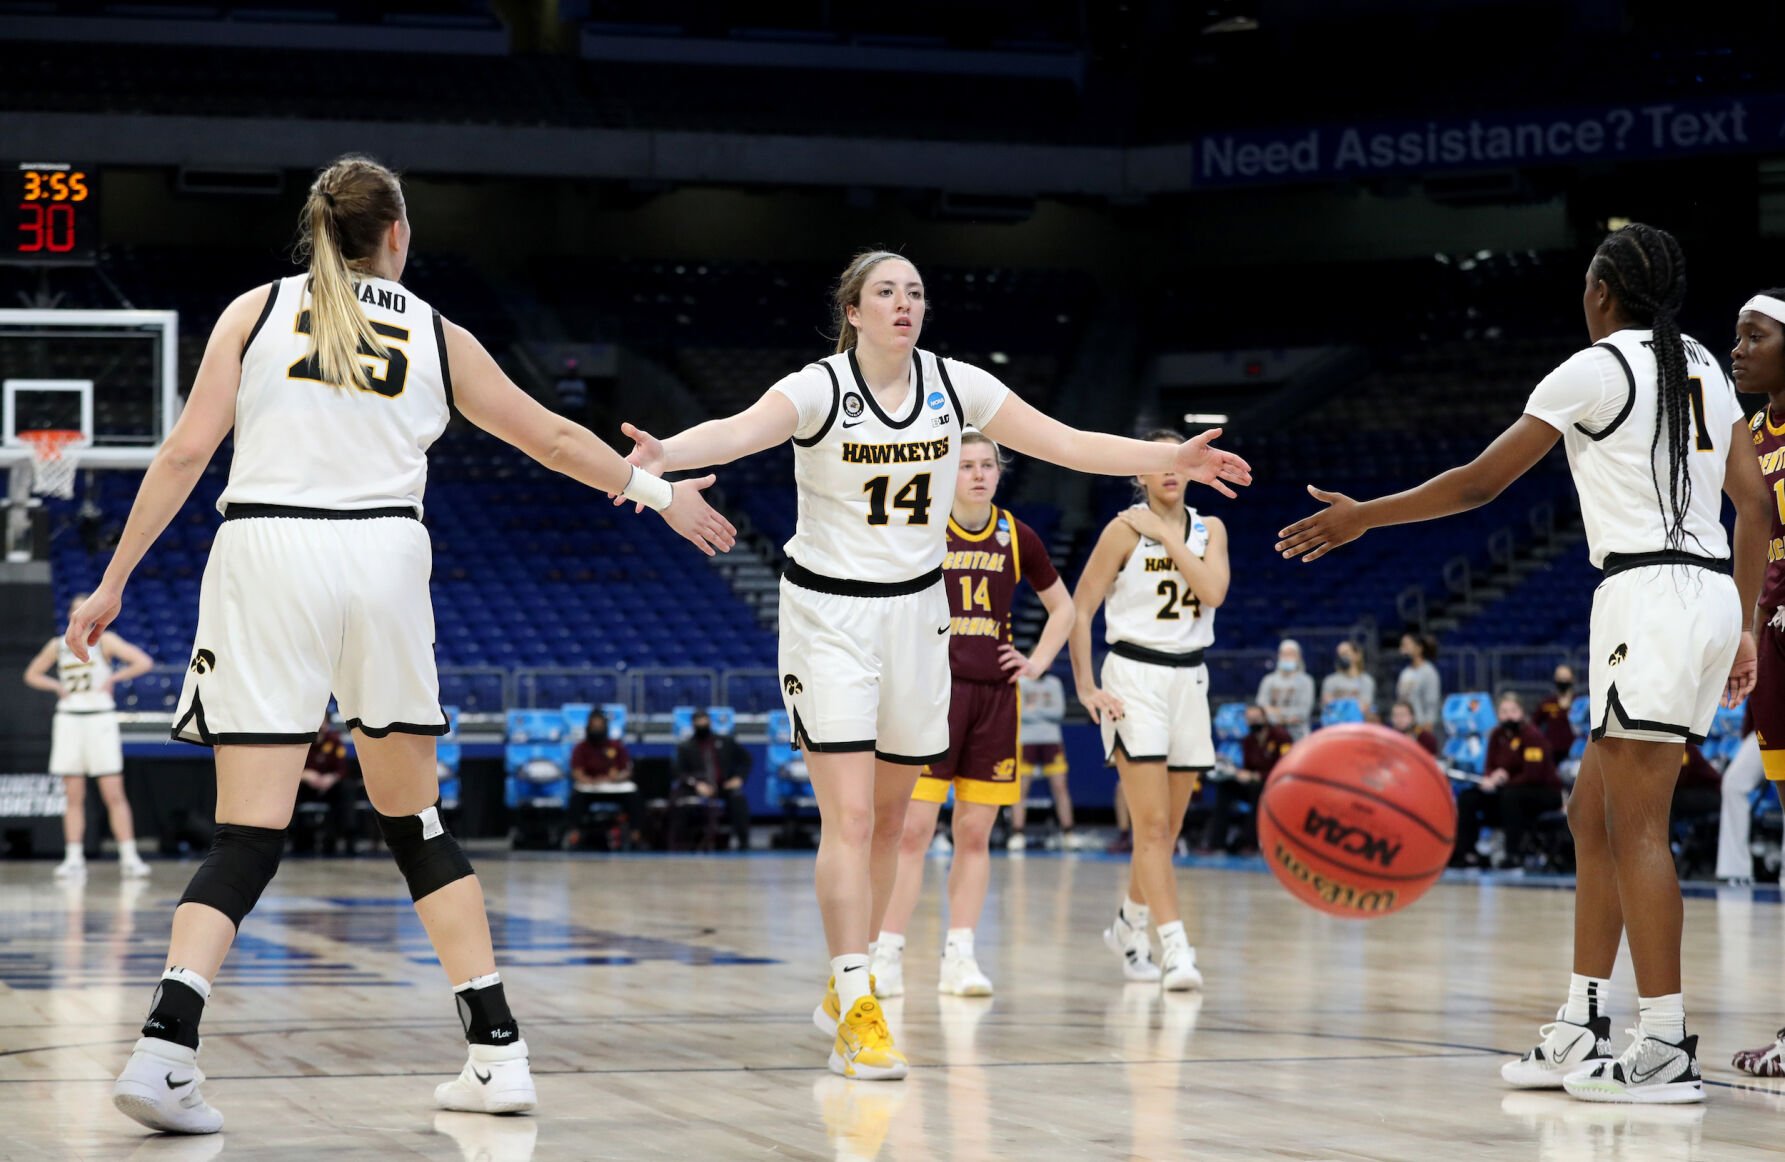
x: 1349, y: 839
x: 1335, y: 894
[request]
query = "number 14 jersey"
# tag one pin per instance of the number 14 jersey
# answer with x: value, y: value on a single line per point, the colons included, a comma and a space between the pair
x: 1151, y: 604
x: 875, y: 489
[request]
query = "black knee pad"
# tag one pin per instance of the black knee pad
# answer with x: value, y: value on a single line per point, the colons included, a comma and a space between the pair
x: 425, y: 851
x: 241, y: 864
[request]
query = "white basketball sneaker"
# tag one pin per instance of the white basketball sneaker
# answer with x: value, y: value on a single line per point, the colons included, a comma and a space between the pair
x: 71, y: 868
x: 495, y: 1080
x: 961, y: 977
x: 887, y: 972
x: 133, y: 869
x: 1651, y: 1071
x: 159, y: 1088
x: 1131, y: 944
x: 1179, y: 972
x: 1565, y: 1048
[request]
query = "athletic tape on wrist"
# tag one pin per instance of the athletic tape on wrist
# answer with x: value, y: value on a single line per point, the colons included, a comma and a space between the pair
x: 651, y: 491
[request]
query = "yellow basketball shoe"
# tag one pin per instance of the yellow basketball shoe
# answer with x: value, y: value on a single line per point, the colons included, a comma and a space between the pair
x: 830, y: 1010
x: 864, y: 1046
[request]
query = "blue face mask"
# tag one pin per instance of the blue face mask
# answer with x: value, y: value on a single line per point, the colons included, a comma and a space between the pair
x: 1287, y: 665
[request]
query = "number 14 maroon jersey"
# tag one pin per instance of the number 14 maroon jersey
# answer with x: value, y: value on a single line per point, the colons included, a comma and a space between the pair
x: 981, y: 570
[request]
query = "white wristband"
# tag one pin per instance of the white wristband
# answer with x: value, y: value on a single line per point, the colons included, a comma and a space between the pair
x: 651, y: 491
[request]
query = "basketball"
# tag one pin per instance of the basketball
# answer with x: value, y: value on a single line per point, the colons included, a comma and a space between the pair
x: 1357, y: 821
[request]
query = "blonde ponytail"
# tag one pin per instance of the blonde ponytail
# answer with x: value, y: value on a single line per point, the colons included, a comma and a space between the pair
x: 351, y: 205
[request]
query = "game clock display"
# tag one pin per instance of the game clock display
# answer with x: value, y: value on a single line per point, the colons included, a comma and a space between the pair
x: 53, y: 213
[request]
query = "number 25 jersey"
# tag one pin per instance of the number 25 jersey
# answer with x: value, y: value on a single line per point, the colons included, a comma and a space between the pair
x: 309, y: 444
x: 1151, y: 604
x: 875, y: 490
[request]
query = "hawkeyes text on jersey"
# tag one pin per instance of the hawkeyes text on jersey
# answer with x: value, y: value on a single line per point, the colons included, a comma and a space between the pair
x: 875, y: 484
x: 309, y: 444
x: 1151, y: 604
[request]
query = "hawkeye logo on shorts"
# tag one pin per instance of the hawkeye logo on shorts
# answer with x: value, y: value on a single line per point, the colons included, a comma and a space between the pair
x: 792, y: 685
x: 204, y: 662
x: 1619, y: 654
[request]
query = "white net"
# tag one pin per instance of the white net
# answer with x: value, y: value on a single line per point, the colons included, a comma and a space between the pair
x: 55, y: 459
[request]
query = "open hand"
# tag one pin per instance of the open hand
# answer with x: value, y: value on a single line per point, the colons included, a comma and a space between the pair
x: 1197, y: 461
x: 1316, y: 536
x: 1015, y: 663
x: 646, y: 454
x: 691, y: 516
x: 88, y: 623
x: 1102, y: 702
x: 1741, y: 674
x: 1146, y: 522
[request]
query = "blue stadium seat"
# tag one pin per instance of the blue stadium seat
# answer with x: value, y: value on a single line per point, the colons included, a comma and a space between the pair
x: 447, y: 754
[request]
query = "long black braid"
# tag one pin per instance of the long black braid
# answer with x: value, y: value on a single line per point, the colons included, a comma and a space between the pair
x: 1646, y: 271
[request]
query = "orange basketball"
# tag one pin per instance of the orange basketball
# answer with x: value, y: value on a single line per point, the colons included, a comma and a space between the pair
x: 1357, y: 821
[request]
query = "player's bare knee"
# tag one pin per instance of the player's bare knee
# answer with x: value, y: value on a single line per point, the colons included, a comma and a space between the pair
x: 972, y: 831
x: 426, y: 852
x: 242, y: 862
x: 915, y: 835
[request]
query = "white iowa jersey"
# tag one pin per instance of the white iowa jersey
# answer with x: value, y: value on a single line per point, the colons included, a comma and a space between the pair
x: 1604, y: 401
x: 1151, y: 605
x: 309, y: 444
x: 875, y: 490
x: 83, y: 681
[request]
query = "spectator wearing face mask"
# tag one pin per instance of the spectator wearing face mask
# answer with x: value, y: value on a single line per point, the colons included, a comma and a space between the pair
x: 1287, y: 693
x: 1419, y: 685
x: 1263, y: 745
x: 1400, y: 719
x: 1551, y: 716
x: 1521, y: 784
x: 1350, y: 680
x: 714, y: 767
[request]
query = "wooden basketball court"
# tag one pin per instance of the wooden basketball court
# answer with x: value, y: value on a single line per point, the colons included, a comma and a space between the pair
x: 667, y: 1005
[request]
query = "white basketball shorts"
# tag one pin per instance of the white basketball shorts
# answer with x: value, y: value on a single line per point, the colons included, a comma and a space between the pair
x: 1661, y: 642
x: 294, y: 608
x: 86, y: 743
x: 863, y: 672
x: 1166, y: 715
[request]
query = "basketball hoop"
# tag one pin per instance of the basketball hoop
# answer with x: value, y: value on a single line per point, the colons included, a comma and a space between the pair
x: 54, y: 460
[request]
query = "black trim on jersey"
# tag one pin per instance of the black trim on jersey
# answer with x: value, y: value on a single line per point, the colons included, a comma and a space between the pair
x: 398, y: 728
x: 82, y: 713
x: 1614, y: 706
x: 905, y: 760
x: 1187, y: 770
x: 960, y: 413
x: 1136, y: 653
x: 272, y: 297
x: 1629, y: 397
x: 445, y: 364
x: 917, y: 391
x: 799, y: 575
x: 1109, y: 756
x: 803, y: 741
x: 1616, y: 563
x: 291, y: 512
x: 836, y: 406
x: 196, y: 714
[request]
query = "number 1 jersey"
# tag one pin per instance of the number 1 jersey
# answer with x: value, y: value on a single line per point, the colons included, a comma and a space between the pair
x: 875, y: 490
x: 309, y: 444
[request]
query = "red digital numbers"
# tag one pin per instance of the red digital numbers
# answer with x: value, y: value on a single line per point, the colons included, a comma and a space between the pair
x: 46, y: 228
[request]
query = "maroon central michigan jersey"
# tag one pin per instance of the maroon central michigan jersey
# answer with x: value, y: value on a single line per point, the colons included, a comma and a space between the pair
x: 1769, y: 445
x: 981, y: 571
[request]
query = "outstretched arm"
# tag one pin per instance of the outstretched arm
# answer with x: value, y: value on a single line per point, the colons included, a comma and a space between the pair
x: 209, y: 413
x: 770, y: 421
x: 1018, y: 425
x: 1474, y: 484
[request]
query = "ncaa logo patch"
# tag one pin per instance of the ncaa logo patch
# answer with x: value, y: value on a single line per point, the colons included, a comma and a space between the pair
x: 1003, y: 534
x: 852, y: 405
x: 936, y: 401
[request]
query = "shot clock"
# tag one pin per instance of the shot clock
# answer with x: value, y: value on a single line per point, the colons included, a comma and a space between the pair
x: 51, y: 213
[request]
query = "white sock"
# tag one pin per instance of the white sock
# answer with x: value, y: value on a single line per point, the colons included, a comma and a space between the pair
x: 959, y: 942
x: 190, y: 979
x: 1135, y: 915
x: 851, y: 971
x: 1663, y: 1018
x: 1172, y: 935
x: 1588, y: 997
x: 479, y: 982
x: 891, y: 945
x: 127, y: 851
x: 74, y: 853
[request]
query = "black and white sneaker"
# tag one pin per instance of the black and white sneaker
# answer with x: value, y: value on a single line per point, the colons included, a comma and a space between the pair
x: 1566, y: 1048
x: 1650, y: 1072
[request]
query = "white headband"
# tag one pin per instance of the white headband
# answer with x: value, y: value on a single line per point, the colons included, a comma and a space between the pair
x: 1767, y: 305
